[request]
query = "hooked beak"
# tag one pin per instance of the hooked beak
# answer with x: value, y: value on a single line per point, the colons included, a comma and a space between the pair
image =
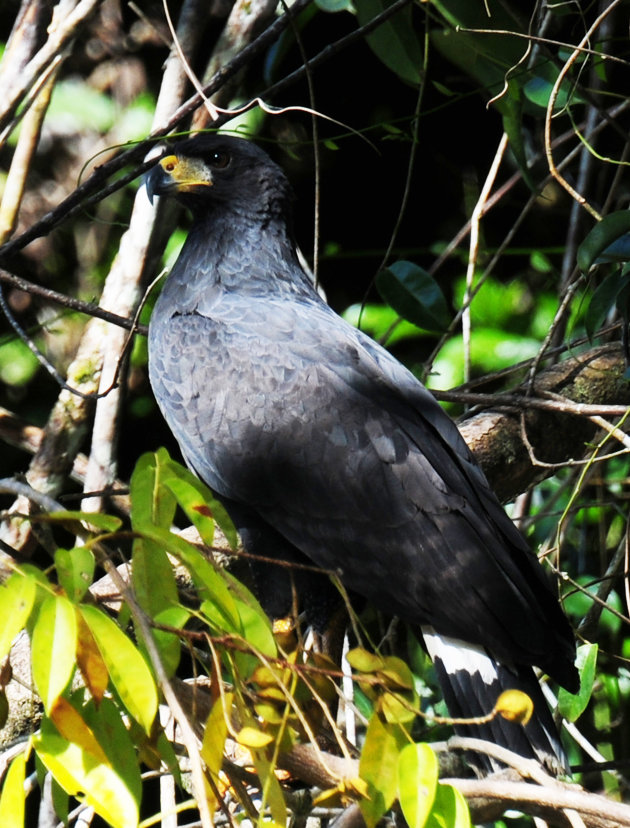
x: 177, y: 174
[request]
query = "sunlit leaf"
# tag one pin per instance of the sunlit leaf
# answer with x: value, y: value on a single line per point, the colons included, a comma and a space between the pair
x: 108, y: 523
x: 17, y: 596
x: 80, y: 774
x: 378, y: 768
x: 211, y: 583
x: 213, y: 745
x: 196, y: 509
x: 17, y: 363
x: 364, y: 661
x: 90, y: 661
x: 53, y: 648
x: 75, y: 570
x: 204, y: 506
x: 252, y: 737
x: 272, y: 791
x: 127, y: 668
x: 417, y: 783
x: 396, y: 673
x: 570, y: 705
x: 73, y: 728
x: 13, y: 797
x: 450, y: 809
x: 151, y: 502
x: 169, y: 643
x: 397, y: 707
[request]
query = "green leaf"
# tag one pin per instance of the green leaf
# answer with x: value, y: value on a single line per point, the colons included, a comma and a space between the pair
x: 17, y: 364
x: 108, y: 523
x: 395, y: 42
x: 364, y: 661
x: 378, y: 766
x: 153, y: 578
x: 335, y: 5
x: 604, y: 299
x: 450, y: 809
x: 53, y: 648
x: 255, y: 627
x: 168, y: 643
x: 17, y: 597
x: 539, y: 87
x: 13, y: 797
x: 213, y: 745
x: 570, y: 705
x: 218, y: 603
x: 417, y: 783
x: 75, y: 570
x: 82, y: 775
x: 151, y: 501
x: 415, y: 295
x: 272, y: 792
x: 128, y: 670
x: 611, y: 228
x: 197, y: 510
x: 106, y: 721
x: 208, y: 505
x: 381, y: 322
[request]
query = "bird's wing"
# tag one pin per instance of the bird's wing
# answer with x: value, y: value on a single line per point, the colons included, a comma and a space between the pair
x: 284, y: 407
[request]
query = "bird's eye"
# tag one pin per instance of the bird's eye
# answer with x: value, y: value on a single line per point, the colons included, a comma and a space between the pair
x: 220, y: 159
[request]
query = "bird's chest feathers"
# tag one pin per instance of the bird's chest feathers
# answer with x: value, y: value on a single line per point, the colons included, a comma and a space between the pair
x: 237, y: 372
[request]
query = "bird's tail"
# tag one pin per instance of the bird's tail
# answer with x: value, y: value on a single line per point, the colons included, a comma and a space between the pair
x: 472, y: 682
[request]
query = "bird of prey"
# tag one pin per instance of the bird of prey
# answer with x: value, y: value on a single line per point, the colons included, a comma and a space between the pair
x: 326, y: 450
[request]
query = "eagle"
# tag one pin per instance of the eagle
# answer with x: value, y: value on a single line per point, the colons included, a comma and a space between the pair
x: 329, y: 454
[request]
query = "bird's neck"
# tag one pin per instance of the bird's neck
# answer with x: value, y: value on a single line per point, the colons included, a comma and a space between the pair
x: 225, y: 253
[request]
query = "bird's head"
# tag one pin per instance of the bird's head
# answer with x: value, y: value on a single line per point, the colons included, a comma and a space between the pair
x: 210, y: 170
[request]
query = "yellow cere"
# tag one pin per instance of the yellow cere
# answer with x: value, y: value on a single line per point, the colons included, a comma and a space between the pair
x: 187, y: 173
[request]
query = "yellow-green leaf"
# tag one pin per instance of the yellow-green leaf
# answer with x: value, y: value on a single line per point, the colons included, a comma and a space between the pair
x: 417, y: 783
x: 17, y: 596
x: 151, y: 502
x: 73, y: 728
x: 191, y: 501
x: 12, y: 797
x: 450, y: 809
x: 572, y: 706
x: 364, y: 661
x: 108, y: 523
x: 127, y: 668
x: 213, y: 744
x: 252, y: 737
x: 81, y: 774
x: 377, y: 767
x: 75, y: 570
x: 53, y: 648
x: 271, y: 790
x: 90, y: 662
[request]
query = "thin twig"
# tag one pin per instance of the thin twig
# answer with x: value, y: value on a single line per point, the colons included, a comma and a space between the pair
x: 581, y: 200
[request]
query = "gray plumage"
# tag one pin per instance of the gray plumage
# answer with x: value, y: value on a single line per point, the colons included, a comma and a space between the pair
x: 325, y: 448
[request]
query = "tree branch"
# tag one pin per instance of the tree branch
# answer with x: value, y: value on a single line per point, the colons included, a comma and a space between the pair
x: 558, y: 432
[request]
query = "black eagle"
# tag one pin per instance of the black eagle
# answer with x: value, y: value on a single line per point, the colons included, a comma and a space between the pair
x: 327, y: 450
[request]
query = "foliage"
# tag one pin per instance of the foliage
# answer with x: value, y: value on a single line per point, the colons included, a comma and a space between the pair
x: 476, y: 274
x: 99, y: 687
